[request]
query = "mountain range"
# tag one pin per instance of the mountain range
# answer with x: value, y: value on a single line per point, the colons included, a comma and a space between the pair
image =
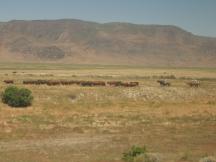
x: 83, y: 42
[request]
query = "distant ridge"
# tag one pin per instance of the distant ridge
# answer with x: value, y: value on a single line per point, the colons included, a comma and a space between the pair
x: 84, y: 42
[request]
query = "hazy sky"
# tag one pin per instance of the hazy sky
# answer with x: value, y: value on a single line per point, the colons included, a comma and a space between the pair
x: 196, y: 16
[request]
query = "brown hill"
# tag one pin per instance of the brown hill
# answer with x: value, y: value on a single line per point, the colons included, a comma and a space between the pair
x: 81, y: 42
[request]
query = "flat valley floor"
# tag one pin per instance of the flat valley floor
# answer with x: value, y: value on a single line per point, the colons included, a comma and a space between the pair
x: 97, y: 124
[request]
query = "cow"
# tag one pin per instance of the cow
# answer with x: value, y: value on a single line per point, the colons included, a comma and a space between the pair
x: 40, y: 82
x: 35, y: 82
x: 194, y: 83
x: 123, y: 84
x: 99, y: 83
x: 115, y: 83
x: 134, y: 84
x: 92, y: 83
x: 8, y: 81
x: 164, y: 83
x: 28, y: 82
x: 69, y: 82
x: 130, y: 84
x: 53, y: 83
x: 65, y: 82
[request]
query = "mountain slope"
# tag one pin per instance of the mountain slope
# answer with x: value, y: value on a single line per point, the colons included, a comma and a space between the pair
x: 81, y: 42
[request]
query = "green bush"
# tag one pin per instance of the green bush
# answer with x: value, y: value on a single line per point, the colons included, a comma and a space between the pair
x: 133, y: 152
x: 17, y: 97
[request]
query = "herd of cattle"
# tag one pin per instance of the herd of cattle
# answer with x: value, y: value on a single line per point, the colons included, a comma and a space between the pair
x: 76, y: 82
x: 192, y: 83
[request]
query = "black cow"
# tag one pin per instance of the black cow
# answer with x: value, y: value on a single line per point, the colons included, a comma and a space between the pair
x: 164, y: 83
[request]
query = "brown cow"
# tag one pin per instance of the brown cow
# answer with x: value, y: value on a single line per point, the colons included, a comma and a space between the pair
x: 27, y: 82
x: 124, y: 84
x: 114, y: 83
x: 92, y: 83
x: 99, y: 83
x: 53, y: 82
x: 40, y: 82
x: 36, y: 82
x: 130, y: 84
x: 8, y: 81
x: 134, y: 84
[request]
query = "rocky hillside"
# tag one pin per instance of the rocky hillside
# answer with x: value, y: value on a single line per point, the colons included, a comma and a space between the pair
x: 81, y: 42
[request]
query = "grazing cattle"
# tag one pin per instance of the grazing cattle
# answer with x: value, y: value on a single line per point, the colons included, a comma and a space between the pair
x: 92, y: 83
x: 65, y: 82
x: 28, y: 82
x: 134, y: 84
x: 194, y: 83
x: 77, y: 82
x: 81, y: 83
x: 123, y: 84
x: 8, y: 81
x: 53, y: 83
x: 69, y: 82
x: 99, y: 83
x: 72, y: 82
x: 164, y: 83
x: 85, y: 83
x: 35, y: 82
x: 130, y: 84
x: 114, y: 83
x: 40, y: 82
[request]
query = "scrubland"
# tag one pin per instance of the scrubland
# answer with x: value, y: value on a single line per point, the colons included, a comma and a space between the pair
x: 97, y: 124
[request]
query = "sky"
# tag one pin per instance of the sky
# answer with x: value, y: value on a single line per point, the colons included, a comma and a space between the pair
x: 196, y: 16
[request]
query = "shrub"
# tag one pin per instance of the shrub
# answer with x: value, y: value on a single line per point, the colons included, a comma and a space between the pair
x: 17, y: 97
x: 134, y: 152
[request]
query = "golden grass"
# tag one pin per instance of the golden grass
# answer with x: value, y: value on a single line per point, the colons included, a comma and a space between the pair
x: 172, y: 121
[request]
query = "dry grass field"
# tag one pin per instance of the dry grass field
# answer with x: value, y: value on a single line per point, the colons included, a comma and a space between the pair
x: 97, y: 124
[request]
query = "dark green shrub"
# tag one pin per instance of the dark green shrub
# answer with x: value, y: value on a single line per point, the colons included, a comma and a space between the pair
x: 133, y: 152
x: 17, y: 97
